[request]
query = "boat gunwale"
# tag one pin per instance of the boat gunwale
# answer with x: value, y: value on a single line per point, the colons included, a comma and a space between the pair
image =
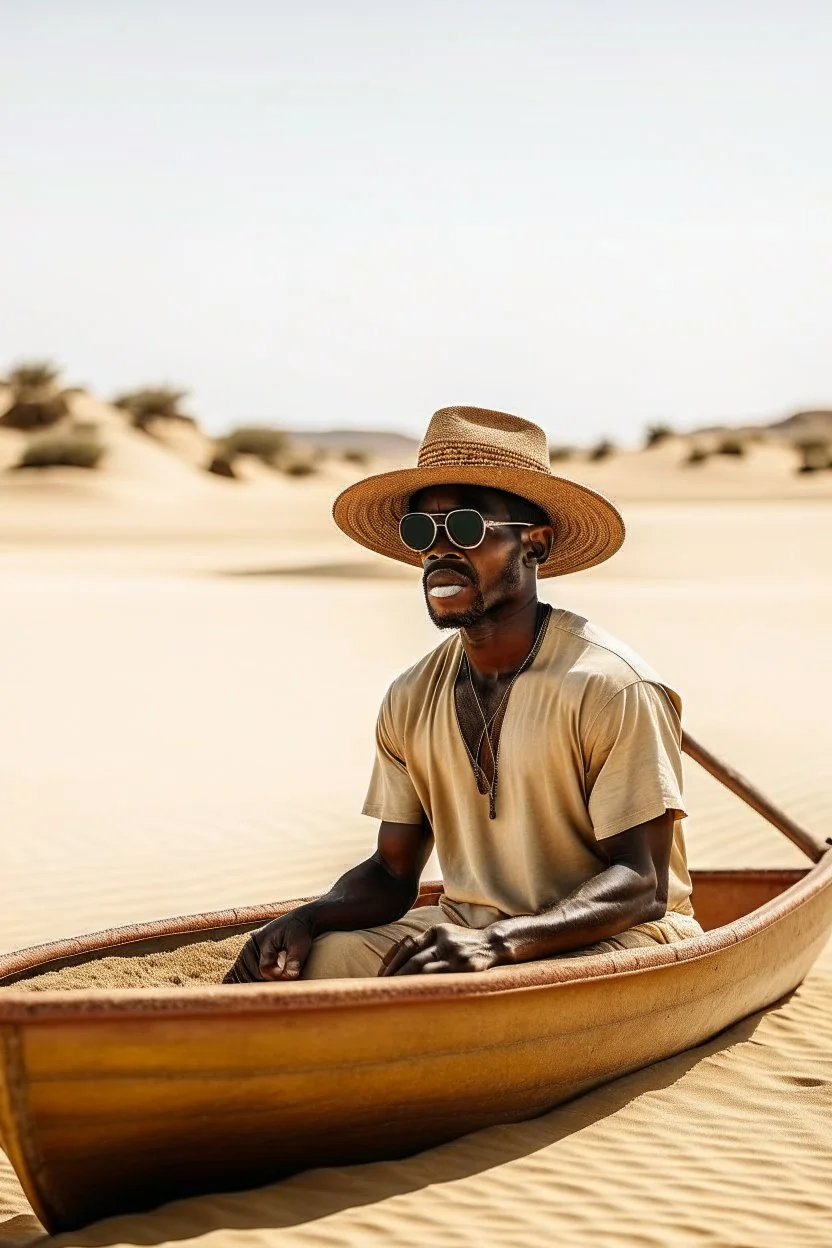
x: 228, y: 1000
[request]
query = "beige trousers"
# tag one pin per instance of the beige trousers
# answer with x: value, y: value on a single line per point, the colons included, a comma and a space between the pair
x: 347, y: 955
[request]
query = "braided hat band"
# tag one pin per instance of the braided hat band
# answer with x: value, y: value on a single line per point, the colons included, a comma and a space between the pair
x: 498, y: 451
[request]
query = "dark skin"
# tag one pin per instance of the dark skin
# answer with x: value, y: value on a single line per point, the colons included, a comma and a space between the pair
x: 496, y: 613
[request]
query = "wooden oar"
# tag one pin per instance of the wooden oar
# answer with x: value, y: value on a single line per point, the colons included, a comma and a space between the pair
x: 755, y: 799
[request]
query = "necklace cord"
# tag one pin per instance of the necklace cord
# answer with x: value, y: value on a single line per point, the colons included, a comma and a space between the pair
x: 487, y: 722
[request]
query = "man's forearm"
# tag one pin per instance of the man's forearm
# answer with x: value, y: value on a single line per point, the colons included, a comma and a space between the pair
x: 366, y: 896
x: 606, y: 905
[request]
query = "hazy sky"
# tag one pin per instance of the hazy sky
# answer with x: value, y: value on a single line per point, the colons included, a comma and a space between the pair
x: 594, y: 214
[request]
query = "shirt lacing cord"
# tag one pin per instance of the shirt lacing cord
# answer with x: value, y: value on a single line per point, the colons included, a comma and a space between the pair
x: 470, y: 720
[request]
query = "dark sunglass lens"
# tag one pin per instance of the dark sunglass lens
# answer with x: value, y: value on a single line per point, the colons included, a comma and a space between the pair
x: 417, y: 530
x: 465, y: 527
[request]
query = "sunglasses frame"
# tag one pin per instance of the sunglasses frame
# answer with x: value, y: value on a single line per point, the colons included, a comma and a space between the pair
x: 440, y: 522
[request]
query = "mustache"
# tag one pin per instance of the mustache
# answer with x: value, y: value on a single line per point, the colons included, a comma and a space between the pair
x: 449, y: 565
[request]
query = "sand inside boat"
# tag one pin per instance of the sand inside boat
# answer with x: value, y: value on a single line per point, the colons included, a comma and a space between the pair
x: 189, y: 966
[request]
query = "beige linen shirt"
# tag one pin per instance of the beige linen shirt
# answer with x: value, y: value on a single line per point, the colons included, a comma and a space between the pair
x: 590, y: 746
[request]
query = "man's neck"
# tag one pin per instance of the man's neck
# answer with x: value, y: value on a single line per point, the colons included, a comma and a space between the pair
x: 498, y: 645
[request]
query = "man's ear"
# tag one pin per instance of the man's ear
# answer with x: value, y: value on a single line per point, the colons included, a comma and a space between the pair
x: 538, y: 544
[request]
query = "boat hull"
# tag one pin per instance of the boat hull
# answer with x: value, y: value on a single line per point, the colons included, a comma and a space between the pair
x: 119, y: 1101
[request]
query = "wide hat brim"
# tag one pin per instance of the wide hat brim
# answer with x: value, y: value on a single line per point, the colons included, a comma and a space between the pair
x: 588, y: 528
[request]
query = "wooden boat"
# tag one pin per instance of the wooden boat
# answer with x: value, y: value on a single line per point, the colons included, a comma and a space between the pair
x: 115, y: 1101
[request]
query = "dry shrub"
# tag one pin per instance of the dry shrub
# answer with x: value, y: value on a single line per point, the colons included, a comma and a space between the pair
x: 731, y: 446
x: 152, y: 403
x: 557, y: 454
x: 656, y: 434
x: 222, y: 466
x: 265, y: 443
x: 298, y: 465
x: 815, y: 454
x: 33, y: 375
x: 69, y: 449
x: 271, y: 446
x: 37, y: 403
x: 35, y: 413
x: 601, y: 450
x: 697, y: 455
x: 356, y: 455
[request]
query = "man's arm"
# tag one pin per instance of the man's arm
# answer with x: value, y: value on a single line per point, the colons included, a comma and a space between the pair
x: 379, y: 890
x: 630, y: 889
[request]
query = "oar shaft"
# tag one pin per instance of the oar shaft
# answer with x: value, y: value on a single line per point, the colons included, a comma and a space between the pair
x: 754, y: 798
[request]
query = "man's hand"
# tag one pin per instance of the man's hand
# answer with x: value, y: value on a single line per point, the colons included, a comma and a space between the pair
x: 443, y: 949
x: 274, y: 952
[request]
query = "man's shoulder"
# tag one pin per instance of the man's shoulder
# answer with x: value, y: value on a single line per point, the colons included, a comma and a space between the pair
x: 591, y: 657
x: 421, y: 676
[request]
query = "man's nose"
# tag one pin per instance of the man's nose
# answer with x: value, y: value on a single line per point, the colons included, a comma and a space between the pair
x: 442, y: 547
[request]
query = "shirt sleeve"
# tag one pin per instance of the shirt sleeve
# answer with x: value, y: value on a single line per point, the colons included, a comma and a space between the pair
x: 391, y: 795
x: 634, y: 760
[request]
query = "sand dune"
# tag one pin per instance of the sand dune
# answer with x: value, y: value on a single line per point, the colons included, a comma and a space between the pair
x: 176, y: 738
x: 766, y: 473
x: 157, y: 482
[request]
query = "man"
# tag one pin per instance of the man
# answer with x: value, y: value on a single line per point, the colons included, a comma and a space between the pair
x: 539, y: 754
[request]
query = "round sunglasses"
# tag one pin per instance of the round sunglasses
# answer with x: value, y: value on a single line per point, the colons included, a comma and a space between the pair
x: 465, y: 527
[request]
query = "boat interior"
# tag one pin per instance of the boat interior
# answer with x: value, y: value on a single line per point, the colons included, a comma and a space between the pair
x: 719, y: 897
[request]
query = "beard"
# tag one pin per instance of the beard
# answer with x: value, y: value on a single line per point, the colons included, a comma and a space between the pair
x: 478, y: 610
x: 458, y: 619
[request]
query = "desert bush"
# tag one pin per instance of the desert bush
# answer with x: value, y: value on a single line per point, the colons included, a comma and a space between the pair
x: 557, y: 454
x: 152, y: 403
x: 601, y: 450
x: 356, y: 455
x: 37, y: 403
x: 71, y: 449
x: 33, y: 375
x: 656, y: 434
x: 815, y: 454
x: 731, y: 446
x: 266, y: 443
x: 222, y: 466
x: 697, y: 455
x: 35, y: 413
x: 298, y: 465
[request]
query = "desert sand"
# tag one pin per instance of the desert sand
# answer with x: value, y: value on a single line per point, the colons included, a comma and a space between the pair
x: 191, y: 671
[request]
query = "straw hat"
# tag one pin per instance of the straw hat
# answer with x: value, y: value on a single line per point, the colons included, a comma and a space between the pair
x: 474, y: 446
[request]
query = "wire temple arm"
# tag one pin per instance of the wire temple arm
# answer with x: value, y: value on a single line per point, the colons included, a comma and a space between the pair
x: 755, y: 799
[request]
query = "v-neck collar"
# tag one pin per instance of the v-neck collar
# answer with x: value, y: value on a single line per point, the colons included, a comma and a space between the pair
x: 496, y: 722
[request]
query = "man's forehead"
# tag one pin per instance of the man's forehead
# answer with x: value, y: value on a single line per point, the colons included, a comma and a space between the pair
x: 442, y: 498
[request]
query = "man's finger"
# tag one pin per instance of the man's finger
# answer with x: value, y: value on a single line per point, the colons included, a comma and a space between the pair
x: 284, y: 955
x: 396, y: 955
x: 275, y: 962
x: 246, y: 970
x: 399, y: 954
x: 413, y: 965
x: 289, y: 965
x: 274, y: 966
x: 389, y: 956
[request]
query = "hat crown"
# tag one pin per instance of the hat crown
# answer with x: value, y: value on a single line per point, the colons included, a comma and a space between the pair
x: 464, y: 436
